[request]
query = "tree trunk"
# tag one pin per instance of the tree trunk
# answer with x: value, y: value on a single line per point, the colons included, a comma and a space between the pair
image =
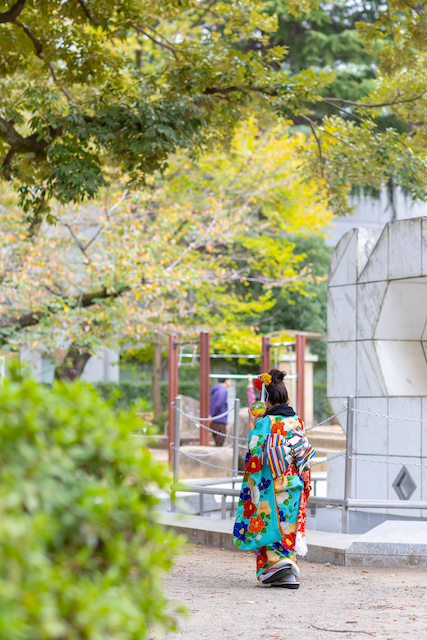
x: 156, y: 373
x: 72, y: 365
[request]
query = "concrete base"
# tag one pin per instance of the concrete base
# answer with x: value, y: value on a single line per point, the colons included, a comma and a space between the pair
x: 218, y: 456
x: 391, y: 544
x: 206, y: 531
x: 322, y: 546
x: 359, y: 522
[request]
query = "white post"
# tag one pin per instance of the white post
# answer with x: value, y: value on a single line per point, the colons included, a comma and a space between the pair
x: 236, y: 438
x: 176, y: 438
x: 235, y: 446
x: 348, y: 461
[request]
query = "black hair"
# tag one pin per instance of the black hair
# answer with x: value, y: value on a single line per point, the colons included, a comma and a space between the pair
x: 277, y: 392
x: 224, y: 376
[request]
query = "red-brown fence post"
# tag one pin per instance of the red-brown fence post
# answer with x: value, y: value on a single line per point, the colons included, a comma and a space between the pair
x: 172, y: 389
x: 265, y: 354
x: 205, y: 369
x: 300, y: 357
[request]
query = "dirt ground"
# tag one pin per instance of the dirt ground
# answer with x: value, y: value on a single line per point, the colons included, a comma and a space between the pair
x: 226, y: 602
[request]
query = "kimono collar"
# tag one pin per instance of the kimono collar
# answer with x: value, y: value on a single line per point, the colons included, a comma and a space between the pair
x: 281, y: 410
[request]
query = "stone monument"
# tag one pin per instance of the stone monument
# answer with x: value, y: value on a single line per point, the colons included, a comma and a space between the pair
x: 377, y: 346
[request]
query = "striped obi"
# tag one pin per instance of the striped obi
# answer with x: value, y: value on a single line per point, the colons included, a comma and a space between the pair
x: 280, y: 452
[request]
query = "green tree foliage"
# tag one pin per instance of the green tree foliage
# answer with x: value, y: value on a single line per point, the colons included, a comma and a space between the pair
x: 326, y: 39
x: 88, y: 89
x: 382, y: 136
x: 81, y: 553
x: 90, y: 93
x: 303, y: 310
x: 186, y: 250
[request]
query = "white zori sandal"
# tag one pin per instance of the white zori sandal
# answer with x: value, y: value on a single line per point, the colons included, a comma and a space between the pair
x: 280, y: 575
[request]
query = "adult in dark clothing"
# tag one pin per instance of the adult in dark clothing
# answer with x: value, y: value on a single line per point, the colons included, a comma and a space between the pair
x: 219, y: 405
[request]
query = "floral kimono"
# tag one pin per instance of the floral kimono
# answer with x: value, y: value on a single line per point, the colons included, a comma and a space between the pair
x: 271, y: 514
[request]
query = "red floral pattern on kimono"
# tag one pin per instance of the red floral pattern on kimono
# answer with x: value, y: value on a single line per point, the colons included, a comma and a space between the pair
x: 305, y: 494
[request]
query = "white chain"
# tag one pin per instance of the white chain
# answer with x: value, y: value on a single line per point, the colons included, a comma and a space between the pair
x: 407, y: 464
x: 342, y: 410
x: 332, y: 433
x: 204, y: 426
x: 215, y: 466
x: 383, y: 415
x: 187, y: 415
x: 226, y: 435
x: 206, y: 455
x: 326, y: 460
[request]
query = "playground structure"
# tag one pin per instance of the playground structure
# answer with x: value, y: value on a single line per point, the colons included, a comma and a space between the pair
x: 205, y: 356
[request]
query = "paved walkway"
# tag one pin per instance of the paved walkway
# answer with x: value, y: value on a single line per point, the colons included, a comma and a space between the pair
x: 226, y: 602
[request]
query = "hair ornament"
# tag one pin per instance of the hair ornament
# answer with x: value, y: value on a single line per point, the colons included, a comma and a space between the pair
x: 266, y: 378
x: 263, y: 378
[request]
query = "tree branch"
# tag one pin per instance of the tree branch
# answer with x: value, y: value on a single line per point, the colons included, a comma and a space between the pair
x: 85, y: 299
x: 411, y: 6
x: 274, y: 94
x: 161, y: 44
x: 89, y: 16
x: 20, y: 144
x: 13, y: 13
x: 37, y: 44
x: 5, y: 167
x: 73, y: 364
x: 78, y: 243
x: 199, y: 20
x: 64, y: 90
x: 369, y: 633
x: 313, y: 128
x: 93, y: 239
x: 39, y: 53
x: 375, y: 106
x: 31, y: 144
x: 227, y: 90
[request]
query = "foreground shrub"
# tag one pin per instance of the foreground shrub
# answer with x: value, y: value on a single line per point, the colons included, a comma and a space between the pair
x: 81, y: 554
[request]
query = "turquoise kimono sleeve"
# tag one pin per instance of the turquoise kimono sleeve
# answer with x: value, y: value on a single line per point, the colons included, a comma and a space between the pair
x: 254, y: 458
x: 250, y: 526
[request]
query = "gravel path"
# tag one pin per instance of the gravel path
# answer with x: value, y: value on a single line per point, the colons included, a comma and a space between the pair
x: 226, y: 602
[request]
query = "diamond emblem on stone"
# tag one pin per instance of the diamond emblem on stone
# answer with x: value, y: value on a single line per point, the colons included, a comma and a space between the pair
x: 404, y: 485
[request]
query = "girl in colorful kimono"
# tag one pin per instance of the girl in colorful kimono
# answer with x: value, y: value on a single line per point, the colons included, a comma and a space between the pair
x: 271, y: 514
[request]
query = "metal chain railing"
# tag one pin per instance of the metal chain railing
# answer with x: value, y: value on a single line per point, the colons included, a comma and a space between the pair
x: 199, y: 425
x: 344, y: 409
x: 208, y: 464
x: 407, y: 464
x: 348, y: 454
x: 220, y: 415
x: 326, y: 460
x: 212, y: 453
x: 215, y: 466
x: 383, y: 415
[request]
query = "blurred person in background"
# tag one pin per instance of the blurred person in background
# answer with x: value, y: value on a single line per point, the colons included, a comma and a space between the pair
x: 219, y: 407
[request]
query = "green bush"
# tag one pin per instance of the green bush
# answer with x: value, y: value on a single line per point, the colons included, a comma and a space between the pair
x: 124, y: 395
x: 81, y: 553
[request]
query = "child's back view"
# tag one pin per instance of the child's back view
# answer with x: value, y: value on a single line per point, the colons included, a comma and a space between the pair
x: 271, y: 515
